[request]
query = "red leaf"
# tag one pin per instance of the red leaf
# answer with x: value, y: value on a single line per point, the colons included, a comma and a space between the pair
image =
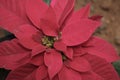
x: 69, y: 74
x: 79, y: 64
x: 62, y: 8
x: 101, y: 48
x: 84, y: 12
x: 48, y: 23
x: 56, y: 77
x: 96, y: 17
x: 12, y: 54
x: 16, y: 7
x: 38, y: 49
x: 79, y: 51
x: 9, y: 20
x: 91, y: 76
x: 78, y: 31
x: 62, y: 47
x: 41, y: 73
x: 25, y: 34
x: 53, y: 60
x: 102, y: 67
x: 35, y: 11
x: 37, y: 60
x: 25, y: 72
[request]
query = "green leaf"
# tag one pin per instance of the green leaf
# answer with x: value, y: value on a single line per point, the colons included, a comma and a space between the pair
x: 3, y: 74
x: 7, y: 35
x: 47, y: 1
x: 117, y: 66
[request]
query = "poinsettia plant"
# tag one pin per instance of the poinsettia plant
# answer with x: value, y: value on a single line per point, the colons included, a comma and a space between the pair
x: 54, y: 42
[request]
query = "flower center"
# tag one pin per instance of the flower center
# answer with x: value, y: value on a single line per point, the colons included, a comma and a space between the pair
x: 48, y: 41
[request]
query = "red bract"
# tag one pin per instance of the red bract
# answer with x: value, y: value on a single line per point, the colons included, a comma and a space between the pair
x: 100, y: 70
x: 56, y: 40
x: 12, y: 54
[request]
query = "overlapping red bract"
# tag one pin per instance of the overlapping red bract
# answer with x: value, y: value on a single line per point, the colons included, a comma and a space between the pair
x: 88, y: 57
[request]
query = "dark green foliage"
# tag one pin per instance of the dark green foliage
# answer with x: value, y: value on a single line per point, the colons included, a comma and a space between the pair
x: 47, y: 1
x: 8, y: 35
x: 3, y: 74
x: 117, y: 66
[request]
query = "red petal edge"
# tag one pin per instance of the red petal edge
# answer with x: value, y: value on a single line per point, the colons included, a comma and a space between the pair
x: 13, y: 55
x: 79, y: 31
x: 99, y: 47
x: 53, y: 60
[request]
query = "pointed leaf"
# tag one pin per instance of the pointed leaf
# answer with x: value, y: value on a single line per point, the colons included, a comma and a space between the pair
x: 62, y: 47
x: 35, y: 11
x: 79, y: 51
x: 84, y: 12
x: 91, y: 76
x: 53, y: 60
x: 25, y: 34
x: 48, y: 23
x: 23, y: 73
x: 79, y: 64
x: 78, y: 31
x: 41, y: 73
x: 9, y: 21
x: 37, y: 60
x: 101, y: 67
x: 101, y: 48
x: 62, y: 8
x: 67, y: 11
x: 69, y: 53
x: 16, y: 7
x: 69, y: 74
x: 12, y: 54
x: 38, y: 49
